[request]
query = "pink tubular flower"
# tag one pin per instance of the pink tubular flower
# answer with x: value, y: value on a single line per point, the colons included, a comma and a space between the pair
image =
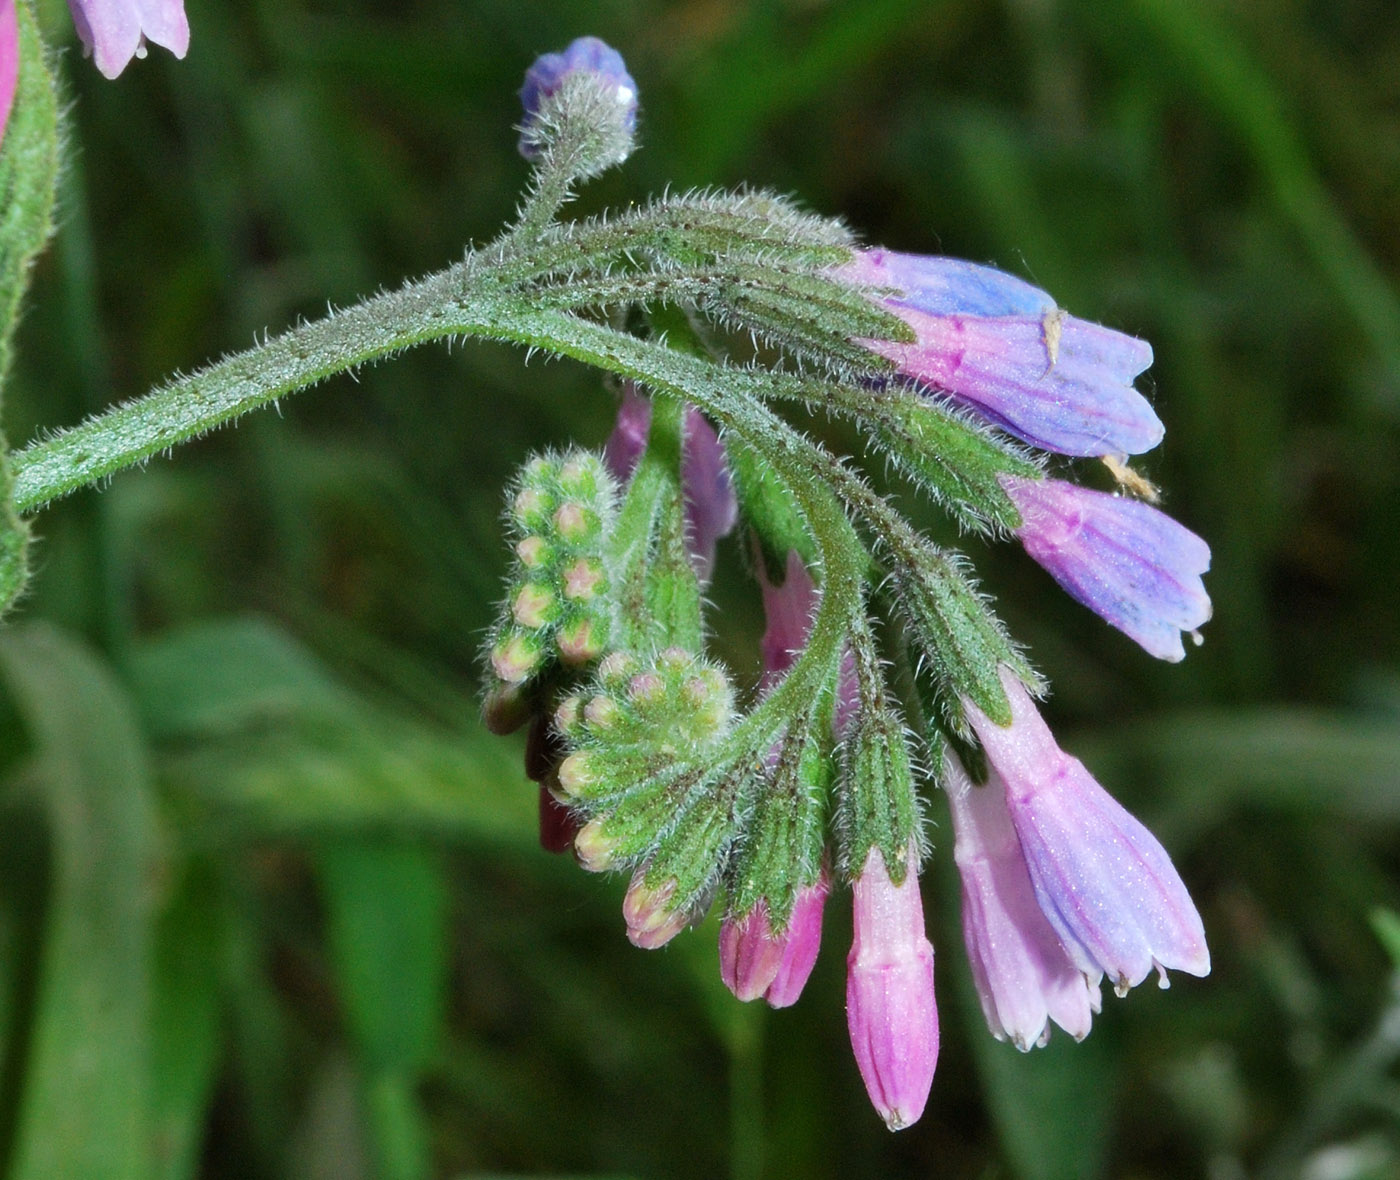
x: 1126, y: 561
x: 115, y: 31
x: 1002, y: 348
x: 711, y: 508
x: 1101, y: 879
x: 9, y: 61
x: 1024, y: 977
x: 754, y: 961
x: 890, y: 1007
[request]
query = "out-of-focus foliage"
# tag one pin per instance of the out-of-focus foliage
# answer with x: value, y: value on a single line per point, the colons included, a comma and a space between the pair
x: 270, y: 901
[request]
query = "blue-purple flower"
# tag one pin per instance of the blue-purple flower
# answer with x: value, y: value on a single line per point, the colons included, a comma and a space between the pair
x: 1024, y: 977
x: 890, y: 1008
x: 1101, y: 879
x: 115, y: 31
x: 1125, y: 560
x: 1000, y: 347
x: 586, y: 55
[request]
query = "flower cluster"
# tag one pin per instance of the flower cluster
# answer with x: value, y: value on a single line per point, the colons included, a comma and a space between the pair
x: 652, y: 762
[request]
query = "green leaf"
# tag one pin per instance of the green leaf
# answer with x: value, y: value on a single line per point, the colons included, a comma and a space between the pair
x: 28, y: 171
x: 85, y: 1107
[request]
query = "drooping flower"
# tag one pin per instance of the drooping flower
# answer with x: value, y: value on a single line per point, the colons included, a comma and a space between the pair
x: 1130, y: 563
x: 711, y: 508
x: 890, y: 1007
x: 588, y: 56
x: 755, y: 961
x: 1001, y: 347
x: 1101, y: 879
x: 1023, y: 976
x: 115, y: 31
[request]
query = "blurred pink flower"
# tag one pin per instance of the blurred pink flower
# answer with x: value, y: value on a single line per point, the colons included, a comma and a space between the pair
x: 9, y: 61
x: 115, y: 31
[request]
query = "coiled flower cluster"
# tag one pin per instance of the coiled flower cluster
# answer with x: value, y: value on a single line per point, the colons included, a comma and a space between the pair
x: 652, y: 763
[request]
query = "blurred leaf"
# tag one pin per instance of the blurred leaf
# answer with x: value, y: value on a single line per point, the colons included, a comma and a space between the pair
x: 288, y: 749
x: 1281, y: 759
x: 1386, y: 924
x: 85, y: 1108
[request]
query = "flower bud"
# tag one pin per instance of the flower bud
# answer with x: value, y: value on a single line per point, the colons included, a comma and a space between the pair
x: 651, y: 922
x: 890, y: 1006
x: 581, y: 101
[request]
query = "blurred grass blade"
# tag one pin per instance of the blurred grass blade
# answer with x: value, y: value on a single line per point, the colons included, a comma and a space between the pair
x: 287, y: 749
x: 1219, y: 66
x: 387, y: 909
x: 186, y: 1026
x: 85, y: 1107
x: 28, y: 170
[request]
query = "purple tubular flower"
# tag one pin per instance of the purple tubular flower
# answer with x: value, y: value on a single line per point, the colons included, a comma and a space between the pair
x: 115, y: 31
x: 1024, y: 977
x: 547, y: 74
x: 9, y: 61
x: 1102, y: 880
x: 1001, y: 347
x: 890, y: 1008
x: 1126, y: 561
x: 711, y: 508
x: 754, y: 961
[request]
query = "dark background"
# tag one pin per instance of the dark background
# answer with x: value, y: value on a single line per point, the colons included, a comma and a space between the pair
x: 270, y: 900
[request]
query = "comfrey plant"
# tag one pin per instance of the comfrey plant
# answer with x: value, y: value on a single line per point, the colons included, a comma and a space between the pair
x: 713, y: 310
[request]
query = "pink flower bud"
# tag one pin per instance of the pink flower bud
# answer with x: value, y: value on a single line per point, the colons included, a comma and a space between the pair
x: 651, y: 922
x: 889, y: 992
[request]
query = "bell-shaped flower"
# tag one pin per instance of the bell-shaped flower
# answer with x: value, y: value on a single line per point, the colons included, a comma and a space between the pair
x: 1128, y: 562
x: 1001, y: 348
x: 115, y: 31
x: 1024, y: 977
x: 711, y: 508
x: 1102, y: 880
x: 890, y: 1007
x: 755, y: 960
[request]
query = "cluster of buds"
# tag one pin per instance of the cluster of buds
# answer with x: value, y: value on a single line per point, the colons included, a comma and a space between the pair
x: 965, y: 378
x: 557, y: 609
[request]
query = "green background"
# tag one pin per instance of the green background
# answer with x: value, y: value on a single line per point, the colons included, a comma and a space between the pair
x: 271, y: 902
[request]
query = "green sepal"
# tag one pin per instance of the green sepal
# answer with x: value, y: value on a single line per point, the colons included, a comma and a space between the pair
x: 673, y: 590
x: 959, y: 635
x: 810, y: 315
x: 786, y: 832
x: 954, y: 461
x: 766, y: 503
x: 877, y: 806
x: 693, y: 852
